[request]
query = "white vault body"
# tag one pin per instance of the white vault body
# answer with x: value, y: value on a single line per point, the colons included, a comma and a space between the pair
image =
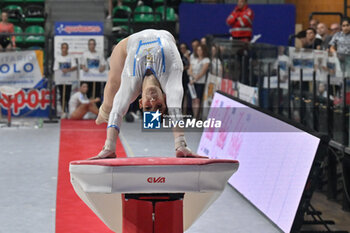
x: 101, y: 183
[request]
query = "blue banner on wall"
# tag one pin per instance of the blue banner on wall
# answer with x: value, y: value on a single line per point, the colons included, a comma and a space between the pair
x: 275, y: 22
x: 78, y: 28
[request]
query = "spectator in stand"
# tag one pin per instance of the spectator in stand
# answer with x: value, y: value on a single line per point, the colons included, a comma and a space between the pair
x: 340, y: 43
x: 322, y: 31
x: 66, y: 63
x: 282, y: 63
x: 7, y: 42
x: 302, y: 37
x: 198, y: 73
x: 93, y: 61
x: 311, y: 41
x: 194, y: 45
x: 80, y: 107
x: 334, y: 28
x: 110, y: 7
x: 185, y: 57
x: 241, y: 21
x: 215, y: 64
x: 184, y: 51
x: 322, y: 92
x: 313, y: 23
x: 204, y: 41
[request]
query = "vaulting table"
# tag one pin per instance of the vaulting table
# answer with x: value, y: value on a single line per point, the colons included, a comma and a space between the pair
x: 150, y: 194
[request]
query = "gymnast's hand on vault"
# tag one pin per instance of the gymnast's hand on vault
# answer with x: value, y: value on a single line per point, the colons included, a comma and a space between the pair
x: 185, y: 152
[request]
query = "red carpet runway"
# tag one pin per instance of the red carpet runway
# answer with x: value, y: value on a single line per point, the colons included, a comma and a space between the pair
x: 78, y: 140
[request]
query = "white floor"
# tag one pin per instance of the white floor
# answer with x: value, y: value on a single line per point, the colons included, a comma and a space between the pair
x: 28, y: 177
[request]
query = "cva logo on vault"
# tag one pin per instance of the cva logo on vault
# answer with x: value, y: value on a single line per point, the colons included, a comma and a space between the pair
x: 156, y: 180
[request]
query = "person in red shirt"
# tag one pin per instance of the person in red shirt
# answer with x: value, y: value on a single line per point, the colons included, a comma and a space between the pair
x: 6, y: 42
x: 241, y: 21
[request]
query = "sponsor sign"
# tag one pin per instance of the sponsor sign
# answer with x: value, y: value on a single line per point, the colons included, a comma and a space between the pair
x: 23, y: 69
x: 77, y: 35
x: 78, y: 28
x: 27, y: 102
x: 93, y: 75
x: 65, y: 78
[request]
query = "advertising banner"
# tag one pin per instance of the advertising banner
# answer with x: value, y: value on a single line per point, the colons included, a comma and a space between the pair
x: 94, y: 75
x: 247, y: 93
x: 77, y: 35
x: 27, y: 102
x: 309, y: 61
x: 227, y: 86
x: 23, y: 69
x: 213, y: 84
x: 274, y: 83
x: 301, y: 59
x: 65, y: 78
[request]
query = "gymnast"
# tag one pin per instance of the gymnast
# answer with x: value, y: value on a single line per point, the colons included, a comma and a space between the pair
x: 146, y: 63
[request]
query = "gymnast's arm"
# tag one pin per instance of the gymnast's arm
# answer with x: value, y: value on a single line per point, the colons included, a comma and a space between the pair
x: 174, y: 94
x: 114, y: 79
x: 129, y: 90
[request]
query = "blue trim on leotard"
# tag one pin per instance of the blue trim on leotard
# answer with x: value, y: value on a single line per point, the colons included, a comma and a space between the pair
x: 114, y: 126
x: 137, y: 51
x: 161, y: 46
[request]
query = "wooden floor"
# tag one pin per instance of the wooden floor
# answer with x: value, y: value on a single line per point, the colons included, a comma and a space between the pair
x: 331, y: 210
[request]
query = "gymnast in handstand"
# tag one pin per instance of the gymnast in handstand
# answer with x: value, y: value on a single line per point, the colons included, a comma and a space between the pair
x: 146, y: 63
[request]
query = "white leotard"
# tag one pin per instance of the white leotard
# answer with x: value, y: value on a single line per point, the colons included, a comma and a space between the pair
x: 155, y: 50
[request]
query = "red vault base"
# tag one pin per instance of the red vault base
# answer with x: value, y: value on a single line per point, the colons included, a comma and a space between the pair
x: 153, y: 213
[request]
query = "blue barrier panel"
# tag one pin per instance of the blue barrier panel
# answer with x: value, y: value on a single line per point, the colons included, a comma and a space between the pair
x: 275, y: 22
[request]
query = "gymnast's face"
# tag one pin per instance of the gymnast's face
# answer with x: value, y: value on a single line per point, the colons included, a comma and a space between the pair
x: 152, y: 99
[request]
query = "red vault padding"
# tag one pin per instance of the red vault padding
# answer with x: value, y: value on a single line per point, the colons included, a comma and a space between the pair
x: 145, y: 213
